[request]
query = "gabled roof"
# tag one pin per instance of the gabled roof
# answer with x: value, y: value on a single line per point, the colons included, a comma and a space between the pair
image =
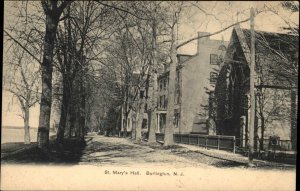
x: 276, y: 55
x: 274, y: 43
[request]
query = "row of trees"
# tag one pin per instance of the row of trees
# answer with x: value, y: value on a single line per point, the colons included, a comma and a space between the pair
x: 104, y: 53
x: 91, y: 43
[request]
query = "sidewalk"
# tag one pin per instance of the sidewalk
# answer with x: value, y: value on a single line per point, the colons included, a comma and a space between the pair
x: 229, y: 156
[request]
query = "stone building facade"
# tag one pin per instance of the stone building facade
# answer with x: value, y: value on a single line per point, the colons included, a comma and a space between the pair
x: 275, y: 88
x: 195, y: 79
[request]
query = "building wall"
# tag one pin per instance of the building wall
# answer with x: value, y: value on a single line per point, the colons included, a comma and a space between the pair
x: 278, y: 108
x: 134, y: 116
x: 195, y: 74
x: 162, y: 101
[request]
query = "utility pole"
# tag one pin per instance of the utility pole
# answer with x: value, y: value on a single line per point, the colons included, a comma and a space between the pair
x: 252, y: 90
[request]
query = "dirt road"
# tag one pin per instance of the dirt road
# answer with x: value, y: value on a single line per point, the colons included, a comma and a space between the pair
x: 112, y: 150
x: 117, y: 163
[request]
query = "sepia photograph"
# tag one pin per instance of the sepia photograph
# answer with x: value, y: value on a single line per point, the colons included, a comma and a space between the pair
x: 149, y: 95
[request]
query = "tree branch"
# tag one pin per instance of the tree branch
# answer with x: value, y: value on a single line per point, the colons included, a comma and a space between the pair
x: 121, y: 9
x: 214, y: 33
x: 23, y: 47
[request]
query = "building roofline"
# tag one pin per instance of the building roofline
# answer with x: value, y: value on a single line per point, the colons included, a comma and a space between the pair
x: 271, y: 33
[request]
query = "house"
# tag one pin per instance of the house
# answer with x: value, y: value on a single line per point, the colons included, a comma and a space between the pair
x: 276, y: 82
x: 195, y: 79
x: 130, y: 106
x: 162, y: 101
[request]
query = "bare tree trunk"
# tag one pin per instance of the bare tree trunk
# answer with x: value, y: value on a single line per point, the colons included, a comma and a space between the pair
x: 46, y: 97
x: 72, y: 117
x: 64, y: 113
x: 82, y: 110
x: 52, y: 12
x: 77, y: 121
x: 141, y: 110
x: 152, y: 113
x: 134, y: 123
x: 261, y: 143
x: 118, y: 125
x: 68, y: 125
x: 124, y: 121
x: 168, y: 140
x: 26, y: 126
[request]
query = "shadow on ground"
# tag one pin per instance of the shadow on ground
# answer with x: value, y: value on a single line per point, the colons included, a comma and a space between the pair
x: 69, y: 152
x: 106, y: 152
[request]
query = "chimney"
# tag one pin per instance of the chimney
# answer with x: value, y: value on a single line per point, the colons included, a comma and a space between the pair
x: 201, y: 40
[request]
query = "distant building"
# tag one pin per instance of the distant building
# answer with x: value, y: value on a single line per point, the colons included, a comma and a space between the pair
x: 162, y: 101
x: 195, y: 79
x: 130, y: 107
x: 276, y: 87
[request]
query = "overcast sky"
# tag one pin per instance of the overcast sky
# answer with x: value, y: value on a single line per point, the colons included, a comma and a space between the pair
x: 217, y: 15
x: 222, y: 14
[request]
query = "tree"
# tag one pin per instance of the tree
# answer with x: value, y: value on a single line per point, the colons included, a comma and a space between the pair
x: 272, y: 105
x: 277, y: 73
x: 53, y: 11
x: 129, y: 54
x: 22, y: 80
x: 168, y: 138
x: 86, y: 24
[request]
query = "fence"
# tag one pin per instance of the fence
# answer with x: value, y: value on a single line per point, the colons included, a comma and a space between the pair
x: 282, y: 145
x: 208, y: 141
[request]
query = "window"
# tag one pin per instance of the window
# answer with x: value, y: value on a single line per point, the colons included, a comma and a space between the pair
x: 144, y: 124
x: 160, y: 84
x: 162, y: 101
x: 166, y: 102
x: 177, y: 119
x: 213, y: 59
x: 165, y: 84
x: 213, y: 77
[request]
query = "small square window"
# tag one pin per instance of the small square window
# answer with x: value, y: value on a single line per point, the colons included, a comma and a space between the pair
x: 214, y: 59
